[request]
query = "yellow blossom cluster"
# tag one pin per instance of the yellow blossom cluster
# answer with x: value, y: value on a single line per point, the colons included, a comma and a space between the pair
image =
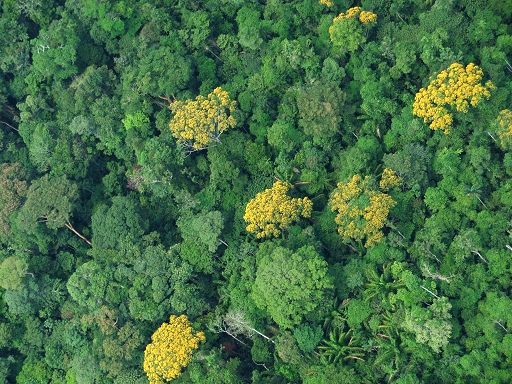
x: 327, y: 3
x: 389, y: 179
x: 457, y: 87
x: 361, y: 210
x: 365, y: 17
x: 273, y: 210
x: 198, y: 122
x: 505, y: 128
x: 170, y: 349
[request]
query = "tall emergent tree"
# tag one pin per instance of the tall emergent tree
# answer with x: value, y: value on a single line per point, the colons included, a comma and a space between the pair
x: 50, y: 200
x: 292, y: 285
x: 504, y: 122
x: 361, y: 209
x: 170, y: 349
x: 273, y: 210
x: 457, y: 87
x: 347, y: 30
x: 197, y: 123
x: 13, y: 188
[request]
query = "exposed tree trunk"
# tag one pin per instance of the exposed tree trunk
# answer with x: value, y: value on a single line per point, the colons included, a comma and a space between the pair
x: 233, y: 336
x: 492, y: 137
x: 429, y: 291
x: 480, y: 200
x: 223, y: 242
x: 213, y: 53
x: 435, y: 275
x: 72, y: 229
x: 434, y: 256
x: 10, y: 126
x: 166, y: 98
x: 262, y: 335
x: 501, y: 325
x: 236, y: 323
x: 480, y: 256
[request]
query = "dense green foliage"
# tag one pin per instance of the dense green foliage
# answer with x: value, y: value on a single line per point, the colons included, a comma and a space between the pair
x: 108, y: 226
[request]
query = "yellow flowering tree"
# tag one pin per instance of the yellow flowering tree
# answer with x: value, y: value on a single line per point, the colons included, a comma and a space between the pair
x: 361, y: 210
x: 454, y: 89
x: 170, y: 349
x: 389, y: 179
x: 347, y: 29
x: 273, y: 210
x: 505, y: 128
x: 196, y: 123
x: 327, y: 3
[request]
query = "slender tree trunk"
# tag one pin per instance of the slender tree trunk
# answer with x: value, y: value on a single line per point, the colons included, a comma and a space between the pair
x: 501, y: 325
x: 429, y: 291
x: 72, y: 229
x: 166, y: 98
x: 262, y: 335
x: 223, y: 242
x: 234, y: 337
x: 10, y: 126
x: 480, y: 256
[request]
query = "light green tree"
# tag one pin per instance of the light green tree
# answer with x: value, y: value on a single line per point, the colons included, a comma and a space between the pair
x: 12, y: 271
x: 292, y: 285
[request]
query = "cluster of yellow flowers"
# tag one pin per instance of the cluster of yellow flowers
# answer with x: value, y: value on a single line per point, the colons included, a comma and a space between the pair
x: 365, y: 17
x: 273, y: 210
x: 505, y: 128
x: 328, y: 3
x: 170, y: 349
x: 389, y: 179
x: 457, y: 87
x: 361, y: 210
x: 198, y: 122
